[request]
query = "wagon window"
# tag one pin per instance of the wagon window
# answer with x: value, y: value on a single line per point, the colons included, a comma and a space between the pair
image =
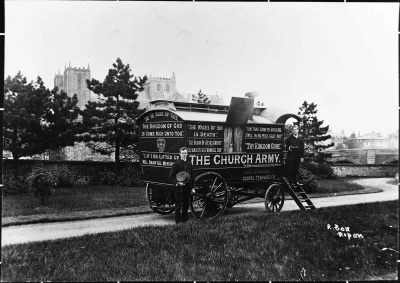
x: 228, y: 141
x: 238, y: 139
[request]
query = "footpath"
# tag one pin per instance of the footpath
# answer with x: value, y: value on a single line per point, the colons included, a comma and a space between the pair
x: 377, y: 190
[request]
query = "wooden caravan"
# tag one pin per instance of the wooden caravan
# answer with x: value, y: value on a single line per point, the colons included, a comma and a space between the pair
x: 237, y: 152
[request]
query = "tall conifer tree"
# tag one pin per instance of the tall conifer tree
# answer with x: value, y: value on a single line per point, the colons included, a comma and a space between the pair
x: 109, y: 122
x: 314, y: 134
x: 201, y: 98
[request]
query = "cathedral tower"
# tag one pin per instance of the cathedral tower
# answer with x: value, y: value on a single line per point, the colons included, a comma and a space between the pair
x: 74, y: 81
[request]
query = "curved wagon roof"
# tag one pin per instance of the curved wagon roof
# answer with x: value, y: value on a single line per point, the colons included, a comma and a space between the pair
x: 218, y: 113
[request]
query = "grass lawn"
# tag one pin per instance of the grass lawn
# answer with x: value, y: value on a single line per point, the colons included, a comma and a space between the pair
x: 293, y: 246
x: 78, y: 198
x: 337, y: 186
x: 89, y: 198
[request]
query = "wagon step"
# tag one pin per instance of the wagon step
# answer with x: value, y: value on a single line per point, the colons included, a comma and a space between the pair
x: 298, y: 195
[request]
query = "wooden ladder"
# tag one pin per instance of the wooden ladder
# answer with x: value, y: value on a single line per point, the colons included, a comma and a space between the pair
x: 298, y: 195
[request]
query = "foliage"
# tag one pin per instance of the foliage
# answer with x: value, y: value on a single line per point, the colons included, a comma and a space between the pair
x: 14, y: 186
x: 108, y: 179
x: 42, y: 184
x: 129, y: 176
x: 314, y: 136
x: 201, y: 98
x: 309, y: 180
x: 289, y: 246
x: 311, y: 128
x: 35, y: 118
x: 109, y: 123
x: 63, y: 178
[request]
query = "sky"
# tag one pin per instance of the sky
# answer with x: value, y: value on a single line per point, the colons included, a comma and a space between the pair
x: 341, y: 56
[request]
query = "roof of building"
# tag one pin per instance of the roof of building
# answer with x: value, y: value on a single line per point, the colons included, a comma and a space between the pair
x: 370, y: 137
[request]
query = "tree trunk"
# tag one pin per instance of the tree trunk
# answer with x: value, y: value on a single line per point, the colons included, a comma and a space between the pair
x: 16, y: 167
x: 117, y: 149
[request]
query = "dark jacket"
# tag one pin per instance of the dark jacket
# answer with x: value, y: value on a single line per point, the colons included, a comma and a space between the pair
x: 179, y: 166
x: 295, y: 148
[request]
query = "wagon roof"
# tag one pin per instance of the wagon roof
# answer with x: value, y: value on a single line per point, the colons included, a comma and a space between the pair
x: 216, y: 117
x: 219, y: 113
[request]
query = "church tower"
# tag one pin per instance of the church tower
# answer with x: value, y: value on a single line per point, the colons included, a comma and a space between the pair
x: 160, y: 88
x: 74, y: 81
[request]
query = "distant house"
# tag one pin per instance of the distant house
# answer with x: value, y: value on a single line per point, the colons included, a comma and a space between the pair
x: 394, y: 140
x: 339, y: 139
x: 370, y: 140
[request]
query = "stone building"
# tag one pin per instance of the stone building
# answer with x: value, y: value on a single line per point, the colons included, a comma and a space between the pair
x: 74, y: 81
x: 339, y: 139
x: 370, y: 140
x: 165, y: 89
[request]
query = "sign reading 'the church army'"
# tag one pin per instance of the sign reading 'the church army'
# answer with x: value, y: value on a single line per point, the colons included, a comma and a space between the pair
x: 214, y: 145
x: 248, y: 152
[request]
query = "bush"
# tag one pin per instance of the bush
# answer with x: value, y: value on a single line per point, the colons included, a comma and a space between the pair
x: 320, y: 170
x: 42, y: 184
x: 105, y: 178
x: 63, y: 178
x: 308, y: 179
x: 129, y: 176
x: 15, y: 187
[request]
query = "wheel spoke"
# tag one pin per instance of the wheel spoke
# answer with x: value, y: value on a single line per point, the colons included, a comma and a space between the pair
x: 200, y: 205
x: 216, y: 188
x: 212, y: 186
x: 204, y: 209
x: 199, y: 195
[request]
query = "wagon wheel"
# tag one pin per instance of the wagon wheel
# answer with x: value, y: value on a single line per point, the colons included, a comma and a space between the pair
x: 274, y: 198
x: 158, y: 207
x: 209, y: 197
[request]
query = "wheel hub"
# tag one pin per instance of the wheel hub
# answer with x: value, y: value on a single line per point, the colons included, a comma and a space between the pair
x: 211, y: 196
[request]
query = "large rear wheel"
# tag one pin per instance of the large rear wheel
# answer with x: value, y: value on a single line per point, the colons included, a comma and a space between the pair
x: 160, y: 199
x: 209, y: 196
x: 274, y: 198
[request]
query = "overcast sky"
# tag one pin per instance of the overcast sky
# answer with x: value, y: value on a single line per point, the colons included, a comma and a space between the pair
x: 341, y: 56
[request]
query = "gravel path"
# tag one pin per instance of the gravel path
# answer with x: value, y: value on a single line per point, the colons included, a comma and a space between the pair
x: 52, y: 231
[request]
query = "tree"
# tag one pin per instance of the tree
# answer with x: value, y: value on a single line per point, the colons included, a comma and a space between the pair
x: 36, y: 119
x: 311, y: 128
x: 201, y: 98
x: 314, y: 135
x: 61, y: 120
x: 109, y: 123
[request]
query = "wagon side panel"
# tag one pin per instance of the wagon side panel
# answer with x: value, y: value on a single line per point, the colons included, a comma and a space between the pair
x: 249, y: 153
x: 162, y: 134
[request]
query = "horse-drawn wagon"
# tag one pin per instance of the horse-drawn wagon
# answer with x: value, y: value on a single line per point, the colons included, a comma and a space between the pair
x: 237, y: 152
